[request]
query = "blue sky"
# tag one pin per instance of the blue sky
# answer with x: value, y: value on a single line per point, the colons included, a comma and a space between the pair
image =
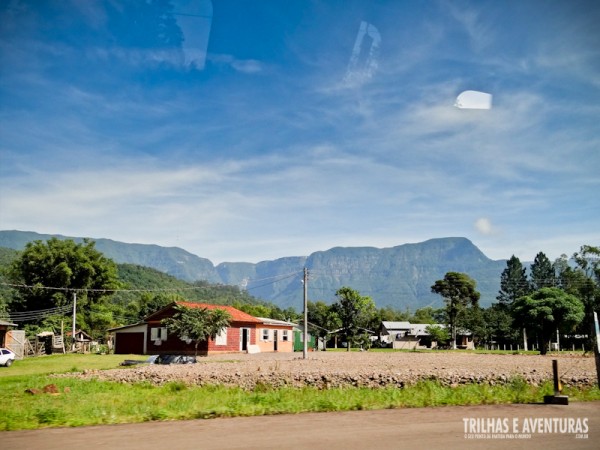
x: 247, y: 131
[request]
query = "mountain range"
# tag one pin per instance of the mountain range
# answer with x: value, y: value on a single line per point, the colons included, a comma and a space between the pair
x: 400, y: 276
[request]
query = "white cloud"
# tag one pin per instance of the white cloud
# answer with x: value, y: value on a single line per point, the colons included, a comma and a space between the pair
x: 484, y: 226
x: 249, y: 66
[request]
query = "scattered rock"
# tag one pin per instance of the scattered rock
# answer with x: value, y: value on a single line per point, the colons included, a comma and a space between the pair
x: 50, y: 389
x: 327, y: 370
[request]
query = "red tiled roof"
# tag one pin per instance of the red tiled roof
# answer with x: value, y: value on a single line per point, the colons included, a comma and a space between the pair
x: 236, y: 314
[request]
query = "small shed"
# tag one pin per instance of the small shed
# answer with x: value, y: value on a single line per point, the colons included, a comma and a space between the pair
x: 83, y: 341
x: 4, y: 327
x: 311, y: 344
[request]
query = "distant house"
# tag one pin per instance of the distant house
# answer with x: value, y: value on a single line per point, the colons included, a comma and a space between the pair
x: 404, y: 335
x: 83, y: 341
x: 411, y: 336
x: 4, y: 326
x: 245, y: 333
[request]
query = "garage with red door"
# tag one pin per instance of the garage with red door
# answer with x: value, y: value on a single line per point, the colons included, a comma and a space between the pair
x: 130, y: 339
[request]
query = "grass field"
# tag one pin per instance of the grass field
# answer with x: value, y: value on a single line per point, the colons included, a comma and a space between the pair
x: 91, y: 402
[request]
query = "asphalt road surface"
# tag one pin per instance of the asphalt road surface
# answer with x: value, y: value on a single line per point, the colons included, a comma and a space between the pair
x: 489, y: 427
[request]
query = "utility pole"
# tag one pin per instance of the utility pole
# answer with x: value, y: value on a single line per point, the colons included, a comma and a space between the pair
x: 597, y: 349
x: 74, y: 320
x: 305, y: 334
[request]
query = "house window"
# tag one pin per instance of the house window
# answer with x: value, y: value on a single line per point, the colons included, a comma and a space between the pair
x: 221, y: 338
x: 284, y: 335
x: 265, y: 334
x: 158, y: 334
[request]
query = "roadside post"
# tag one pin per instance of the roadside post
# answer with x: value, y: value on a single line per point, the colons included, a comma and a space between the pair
x: 597, y: 349
x: 557, y: 398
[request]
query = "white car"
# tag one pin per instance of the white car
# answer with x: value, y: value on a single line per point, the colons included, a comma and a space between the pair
x: 6, y: 357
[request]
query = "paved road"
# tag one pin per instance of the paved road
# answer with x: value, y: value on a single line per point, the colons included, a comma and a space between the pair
x: 418, y: 428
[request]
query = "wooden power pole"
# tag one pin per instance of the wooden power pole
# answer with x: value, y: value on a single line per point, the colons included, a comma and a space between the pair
x: 305, y: 332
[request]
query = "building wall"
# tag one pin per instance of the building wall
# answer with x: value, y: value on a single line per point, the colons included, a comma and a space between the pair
x: 268, y: 344
x: 233, y: 344
x: 406, y: 343
x: 170, y: 343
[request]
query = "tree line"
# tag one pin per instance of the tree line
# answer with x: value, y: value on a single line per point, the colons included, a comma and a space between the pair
x: 554, y: 299
x: 558, y: 296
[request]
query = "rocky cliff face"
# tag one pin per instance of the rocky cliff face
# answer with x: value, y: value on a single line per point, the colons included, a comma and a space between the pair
x: 399, y: 276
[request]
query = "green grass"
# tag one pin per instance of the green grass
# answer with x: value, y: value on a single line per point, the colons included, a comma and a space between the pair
x: 43, y: 365
x: 91, y: 402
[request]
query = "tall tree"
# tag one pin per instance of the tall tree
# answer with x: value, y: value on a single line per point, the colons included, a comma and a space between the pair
x: 513, y: 282
x: 48, y: 272
x: 459, y: 292
x: 542, y: 273
x: 513, y: 285
x: 588, y: 288
x: 197, y: 324
x: 548, y: 310
x: 354, y: 312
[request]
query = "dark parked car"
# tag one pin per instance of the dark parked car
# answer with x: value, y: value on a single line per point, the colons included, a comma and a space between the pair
x: 133, y: 362
x: 175, y: 359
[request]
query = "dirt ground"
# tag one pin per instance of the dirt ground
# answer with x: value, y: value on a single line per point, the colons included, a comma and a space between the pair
x: 370, y: 369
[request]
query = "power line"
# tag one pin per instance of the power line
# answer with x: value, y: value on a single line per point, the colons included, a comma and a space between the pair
x: 28, y: 316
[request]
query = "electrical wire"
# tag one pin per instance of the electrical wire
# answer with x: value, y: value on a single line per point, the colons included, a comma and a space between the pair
x: 28, y: 316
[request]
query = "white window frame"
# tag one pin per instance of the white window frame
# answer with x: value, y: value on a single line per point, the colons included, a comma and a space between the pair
x: 158, y: 334
x: 265, y: 334
x: 285, y: 335
x: 221, y: 338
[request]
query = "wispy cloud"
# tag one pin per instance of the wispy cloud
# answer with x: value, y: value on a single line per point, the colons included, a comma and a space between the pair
x: 248, y: 66
x: 262, y: 158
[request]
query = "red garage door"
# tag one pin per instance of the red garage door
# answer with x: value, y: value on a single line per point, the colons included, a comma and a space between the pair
x: 126, y: 343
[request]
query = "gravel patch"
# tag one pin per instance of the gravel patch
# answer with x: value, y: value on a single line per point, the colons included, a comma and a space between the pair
x: 365, y: 369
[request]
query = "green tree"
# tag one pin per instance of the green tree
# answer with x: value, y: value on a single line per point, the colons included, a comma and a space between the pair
x: 218, y: 320
x: 197, y: 324
x: 148, y: 303
x: 498, y: 327
x: 50, y: 271
x: 459, y: 292
x: 498, y: 321
x: 513, y: 282
x: 427, y: 314
x: 438, y: 334
x: 389, y: 314
x: 323, y: 318
x: 542, y: 272
x: 354, y: 311
x: 548, y: 310
x: 587, y: 288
